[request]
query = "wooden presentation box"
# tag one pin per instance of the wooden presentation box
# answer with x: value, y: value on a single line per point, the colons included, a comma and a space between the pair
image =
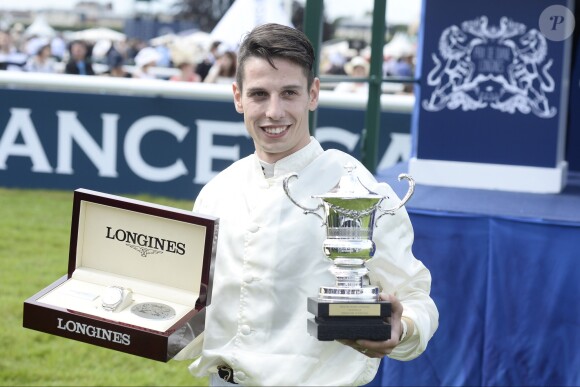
x: 157, y: 260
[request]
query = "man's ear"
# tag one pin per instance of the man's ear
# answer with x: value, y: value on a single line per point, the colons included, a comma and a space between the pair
x: 237, y: 98
x: 313, y: 94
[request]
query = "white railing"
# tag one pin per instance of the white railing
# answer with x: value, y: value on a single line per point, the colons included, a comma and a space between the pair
x: 163, y: 88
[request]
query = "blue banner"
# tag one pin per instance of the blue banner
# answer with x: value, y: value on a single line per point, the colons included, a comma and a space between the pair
x: 494, y: 83
x: 573, y: 137
x: 155, y: 145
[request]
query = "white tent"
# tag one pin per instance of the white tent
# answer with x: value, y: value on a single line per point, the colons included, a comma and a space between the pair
x: 96, y: 34
x: 40, y: 28
x: 244, y: 15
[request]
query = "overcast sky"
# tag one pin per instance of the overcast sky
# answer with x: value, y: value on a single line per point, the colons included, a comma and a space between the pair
x: 397, y: 10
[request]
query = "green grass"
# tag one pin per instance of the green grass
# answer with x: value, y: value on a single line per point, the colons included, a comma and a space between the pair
x: 34, y: 240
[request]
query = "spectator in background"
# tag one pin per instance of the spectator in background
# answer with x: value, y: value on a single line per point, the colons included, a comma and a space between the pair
x: 224, y: 69
x: 203, y: 67
x: 58, y: 47
x: 79, y: 62
x: 10, y: 58
x: 31, y: 44
x: 357, y: 67
x: 336, y: 62
x: 41, y: 61
x: 115, y: 62
x: 144, y: 61
x: 399, y: 66
x: 17, y: 37
x: 186, y: 72
x: 133, y: 46
x: 164, y: 56
x: 112, y: 54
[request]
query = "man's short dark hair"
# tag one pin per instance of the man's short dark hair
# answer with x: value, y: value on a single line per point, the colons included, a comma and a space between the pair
x: 275, y: 41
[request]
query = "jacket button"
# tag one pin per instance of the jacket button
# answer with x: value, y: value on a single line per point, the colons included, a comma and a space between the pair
x: 245, y: 330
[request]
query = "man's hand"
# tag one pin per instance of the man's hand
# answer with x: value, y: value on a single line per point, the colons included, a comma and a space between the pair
x: 379, y: 349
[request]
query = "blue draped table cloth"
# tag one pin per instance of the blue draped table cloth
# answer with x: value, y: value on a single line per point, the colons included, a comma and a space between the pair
x: 506, y: 280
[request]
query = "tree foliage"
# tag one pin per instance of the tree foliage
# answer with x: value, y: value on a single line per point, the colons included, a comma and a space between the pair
x: 205, y: 13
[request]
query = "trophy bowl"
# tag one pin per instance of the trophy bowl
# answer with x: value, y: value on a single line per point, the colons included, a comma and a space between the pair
x: 351, y: 308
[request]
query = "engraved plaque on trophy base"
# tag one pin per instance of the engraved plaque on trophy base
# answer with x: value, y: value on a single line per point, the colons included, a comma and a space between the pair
x: 339, y: 320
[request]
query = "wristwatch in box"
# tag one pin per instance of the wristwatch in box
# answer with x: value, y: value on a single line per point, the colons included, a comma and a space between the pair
x: 115, y: 298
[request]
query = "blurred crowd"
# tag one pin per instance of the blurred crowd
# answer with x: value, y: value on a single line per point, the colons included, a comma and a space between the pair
x: 130, y: 58
x: 399, y: 56
x: 214, y: 63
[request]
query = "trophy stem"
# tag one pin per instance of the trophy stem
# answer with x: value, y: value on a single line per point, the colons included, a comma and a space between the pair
x: 349, y: 285
x: 349, y: 277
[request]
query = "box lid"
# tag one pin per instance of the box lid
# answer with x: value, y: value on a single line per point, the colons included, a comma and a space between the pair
x: 146, y: 243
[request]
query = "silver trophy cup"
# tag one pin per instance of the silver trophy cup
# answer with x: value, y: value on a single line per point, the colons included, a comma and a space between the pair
x: 351, y: 309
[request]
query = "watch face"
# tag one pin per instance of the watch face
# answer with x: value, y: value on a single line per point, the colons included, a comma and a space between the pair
x: 112, y: 296
x: 153, y: 311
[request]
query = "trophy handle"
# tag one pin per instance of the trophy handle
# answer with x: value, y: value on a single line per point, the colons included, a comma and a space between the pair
x: 305, y: 209
x: 391, y: 211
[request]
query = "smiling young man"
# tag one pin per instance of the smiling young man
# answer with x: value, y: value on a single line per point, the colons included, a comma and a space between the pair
x: 275, y: 98
x: 269, y: 254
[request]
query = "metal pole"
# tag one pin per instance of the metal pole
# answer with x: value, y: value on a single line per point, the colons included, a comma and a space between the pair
x: 370, y: 142
x: 313, y: 29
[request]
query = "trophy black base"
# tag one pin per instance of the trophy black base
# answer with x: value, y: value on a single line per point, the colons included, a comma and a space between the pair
x: 349, y: 320
x: 351, y: 329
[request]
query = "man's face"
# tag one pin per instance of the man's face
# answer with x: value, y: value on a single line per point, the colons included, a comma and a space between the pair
x: 275, y: 104
x: 78, y: 51
x: 359, y: 72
